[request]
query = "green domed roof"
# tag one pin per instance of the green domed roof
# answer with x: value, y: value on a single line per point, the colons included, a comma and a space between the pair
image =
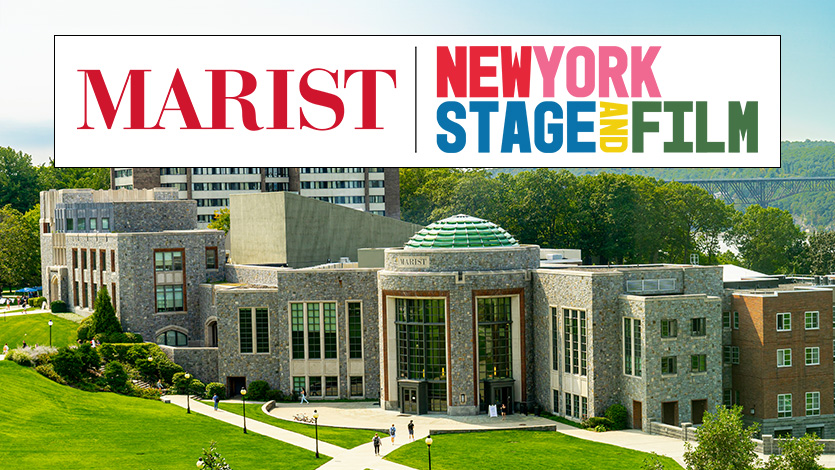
x: 461, y: 231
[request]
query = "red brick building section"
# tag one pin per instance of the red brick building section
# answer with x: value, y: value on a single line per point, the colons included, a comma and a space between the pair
x: 757, y: 378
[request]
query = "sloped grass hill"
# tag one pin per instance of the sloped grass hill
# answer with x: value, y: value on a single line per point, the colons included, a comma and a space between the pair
x: 49, y: 426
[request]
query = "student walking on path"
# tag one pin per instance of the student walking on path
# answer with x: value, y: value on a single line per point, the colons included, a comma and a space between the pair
x: 376, y: 442
x: 391, y: 433
x: 216, y: 399
x: 411, y: 427
x: 304, y: 398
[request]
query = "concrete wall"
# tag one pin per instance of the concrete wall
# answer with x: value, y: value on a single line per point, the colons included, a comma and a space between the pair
x: 287, y: 228
x: 199, y: 362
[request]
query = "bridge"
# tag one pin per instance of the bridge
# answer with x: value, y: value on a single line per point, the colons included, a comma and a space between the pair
x: 762, y: 191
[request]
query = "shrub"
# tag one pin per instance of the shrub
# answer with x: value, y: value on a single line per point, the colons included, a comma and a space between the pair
x: 618, y: 415
x: 136, y: 352
x: 48, y: 371
x: 107, y: 352
x: 20, y: 357
x: 116, y: 377
x: 59, y: 306
x: 104, y: 316
x: 37, y: 302
x: 600, y: 428
x: 149, y: 393
x: 258, y: 390
x: 213, y: 388
x: 84, y: 329
x: 68, y: 364
x: 89, y: 356
x: 41, y: 354
x: 131, y: 338
x: 596, y: 421
x: 197, y: 387
x: 212, y: 460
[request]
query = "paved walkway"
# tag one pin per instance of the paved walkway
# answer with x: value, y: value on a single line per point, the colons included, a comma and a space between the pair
x: 342, y: 459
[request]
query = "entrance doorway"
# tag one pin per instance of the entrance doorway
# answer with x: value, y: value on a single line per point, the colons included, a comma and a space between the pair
x: 637, y: 415
x: 413, y: 397
x: 410, y: 403
x: 234, y: 385
x: 699, y: 407
x: 669, y: 413
x: 498, y: 392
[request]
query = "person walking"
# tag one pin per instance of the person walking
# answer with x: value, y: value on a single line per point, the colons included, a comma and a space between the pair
x: 411, y: 427
x: 376, y: 442
x: 304, y: 397
x: 216, y: 399
x: 391, y: 433
x: 6, y: 349
x: 504, y: 411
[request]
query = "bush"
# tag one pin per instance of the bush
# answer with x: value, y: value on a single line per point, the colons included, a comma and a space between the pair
x: 68, y: 364
x: 89, y: 356
x: 597, y: 421
x: 37, y: 302
x: 107, y: 352
x: 137, y: 352
x: 197, y: 387
x: 258, y: 390
x: 131, y: 338
x: 213, y: 388
x: 618, y: 415
x: 278, y: 395
x: 48, y: 371
x: 116, y: 377
x: 59, y: 306
x: 20, y: 357
x: 84, y: 331
x: 148, y: 393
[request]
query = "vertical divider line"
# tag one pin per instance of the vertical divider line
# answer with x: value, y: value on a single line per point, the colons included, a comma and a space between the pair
x: 416, y: 75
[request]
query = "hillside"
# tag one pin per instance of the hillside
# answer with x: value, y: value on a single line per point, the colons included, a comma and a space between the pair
x: 798, y: 159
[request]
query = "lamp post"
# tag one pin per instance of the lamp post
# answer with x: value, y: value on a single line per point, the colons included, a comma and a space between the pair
x: 316, y: 427
x: 188, y: 391
x: 243, y: 394
x: 50, y: 333
x: 429, y: 450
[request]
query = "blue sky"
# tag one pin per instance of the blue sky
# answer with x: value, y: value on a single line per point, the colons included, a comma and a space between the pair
x: 27, y: 29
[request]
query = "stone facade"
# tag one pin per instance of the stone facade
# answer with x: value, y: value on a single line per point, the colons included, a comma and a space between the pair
x: 199, y: 362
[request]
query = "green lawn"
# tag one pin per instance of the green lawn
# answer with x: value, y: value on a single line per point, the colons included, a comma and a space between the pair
x: 500, y: 450
x: 35, y: 330
x: 343, y: 437
x: 50, y: 426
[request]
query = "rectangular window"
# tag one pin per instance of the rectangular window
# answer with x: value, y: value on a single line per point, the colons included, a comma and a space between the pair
x: 585, y: 407
x: 784, y: 405
x: 211, y: 257
x: 555, y: 339
x: 568, y: 404
x: 105, y: 224
x: 726, y: 320
x: 262, y: 331
x: 82, y: 225
x: 736, y: 320
x: 494, y: 333
x: 113, y: 261
x: 668, y: 365
x: 75, y: 259
x: 355, y: 331
x: 314, y: 345
x: 297, y: 329
x: 784, y: 321
x: 356, y: 387
x: 93, y: 225
x: 170, y: 298
x: 168, y: 260
x: 813, y: 403
x: 69, y: 225
x: 727, y: 397
x: 315, y: 386
x: 93, y: 260
x: 730, y: 355
x: 329, y: 324
x: 331, y: 387
x: 813, y: 356
x: 632, y: 346
x: 698, y: 326
x: 83, y: 259
x: 245, y: 326
x: 812, y: 320
x: 574, y: 331
x: 784, y: 358
x: 298, y: 384
x: 103, y: 260
x: 576, y: 407
x: 556, y: 402
x: 669, y: 328
x: 698, y: 363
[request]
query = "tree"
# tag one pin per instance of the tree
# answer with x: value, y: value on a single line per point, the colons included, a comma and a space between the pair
x: 724, y: 443
x: 797, y: 454
x: 767, y: 239
x: 18, y: 180
x: 20, y: 249
x: 819, y: 253
x: 104, y: 317
x: 221, y: 220
x: 50, y: 177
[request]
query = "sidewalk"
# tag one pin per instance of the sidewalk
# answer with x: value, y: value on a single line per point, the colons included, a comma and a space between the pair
x: 342, y: 459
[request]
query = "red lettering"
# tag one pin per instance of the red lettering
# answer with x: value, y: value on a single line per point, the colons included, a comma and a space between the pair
x: 280, y: 99
x: 108, y: 110
x: 516, y: 73
x: 369, y: 94
x: 186, y: 109
x: 452, y: 72
x: 321, y: 98
x: 478, y: 71
x: 219, y: 98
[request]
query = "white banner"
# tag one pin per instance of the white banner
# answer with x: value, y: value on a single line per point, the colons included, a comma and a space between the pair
x: 434, y: 101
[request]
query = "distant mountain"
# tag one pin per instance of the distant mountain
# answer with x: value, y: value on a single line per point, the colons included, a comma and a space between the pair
x: 812, y: 210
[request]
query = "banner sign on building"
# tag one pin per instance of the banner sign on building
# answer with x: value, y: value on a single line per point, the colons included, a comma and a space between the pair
x: 435, y: 101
